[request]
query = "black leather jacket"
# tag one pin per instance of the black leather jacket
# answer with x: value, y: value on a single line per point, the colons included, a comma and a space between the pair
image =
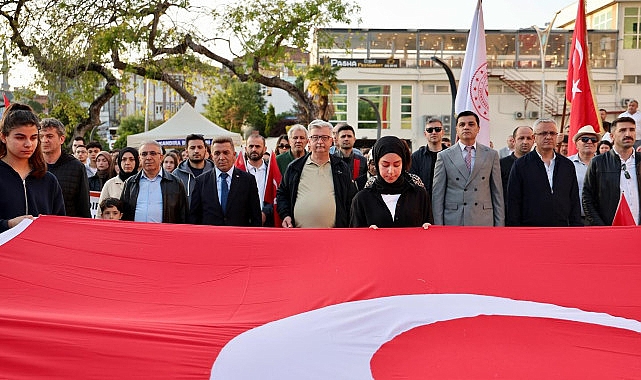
x: 601, y: 188
x: 344, y: 189
x: 174, y: 198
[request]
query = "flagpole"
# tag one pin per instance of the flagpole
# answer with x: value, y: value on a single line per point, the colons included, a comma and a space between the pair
x: 543, y: 35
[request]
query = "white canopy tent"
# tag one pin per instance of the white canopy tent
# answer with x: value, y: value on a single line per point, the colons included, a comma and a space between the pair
x: 185, y: 122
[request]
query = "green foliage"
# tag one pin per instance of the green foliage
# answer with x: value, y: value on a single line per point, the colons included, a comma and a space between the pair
x: 237, y: 105
x: 323, y: 81
x: 131, y: 125
x: 270, y: 119
x: 68, y: 110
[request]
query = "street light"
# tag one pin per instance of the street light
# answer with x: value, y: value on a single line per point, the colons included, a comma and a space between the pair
x: 450, y: 77
x: 543, y: 35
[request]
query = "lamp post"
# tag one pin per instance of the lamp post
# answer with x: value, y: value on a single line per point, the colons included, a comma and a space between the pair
x: 543, y: 35
x: 379, y: 124
x: 450, y: 78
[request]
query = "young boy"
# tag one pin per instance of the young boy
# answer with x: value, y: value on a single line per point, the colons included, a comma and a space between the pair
x: 111, y: 208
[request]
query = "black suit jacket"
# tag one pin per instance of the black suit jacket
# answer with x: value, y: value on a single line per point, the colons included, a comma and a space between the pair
x: 243, y: 204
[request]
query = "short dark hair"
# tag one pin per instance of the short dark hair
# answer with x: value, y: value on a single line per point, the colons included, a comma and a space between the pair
x: 468, y: 113
x: 94, y: 144
x: 624, y: 119
x: 433, y: 120
x: 195, y: 136
x: 111, y: 202
x: 602, y: 109
x: 345, y: 127
x: 80, y: 138
x: 517, y: 128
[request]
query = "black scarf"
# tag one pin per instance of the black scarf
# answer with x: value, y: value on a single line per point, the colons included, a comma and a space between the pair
x: 392, y: 144
x: 121, y: 173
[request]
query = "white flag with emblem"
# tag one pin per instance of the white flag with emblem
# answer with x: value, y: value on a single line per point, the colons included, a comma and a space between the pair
x: 472, y: 94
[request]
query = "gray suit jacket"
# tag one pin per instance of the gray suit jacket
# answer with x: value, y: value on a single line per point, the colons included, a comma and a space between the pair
x: 460, y: 198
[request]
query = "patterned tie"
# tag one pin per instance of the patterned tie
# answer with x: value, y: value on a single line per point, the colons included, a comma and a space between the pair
x: 224, y: 190
x: 468, y: 157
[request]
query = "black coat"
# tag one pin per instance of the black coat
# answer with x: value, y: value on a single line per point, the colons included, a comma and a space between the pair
x: 344, y: 189
x: 530, y: 202
x: 601, y: 188
x: 506, y: 166
x: 174, y: 198
x: 72, y: 177
x: 423, y: 162
x: 243, y: 203
x: 413, y: 208
x: 34, y: 196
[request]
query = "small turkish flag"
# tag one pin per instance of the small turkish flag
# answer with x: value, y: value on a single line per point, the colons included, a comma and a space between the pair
x: 623, y: 216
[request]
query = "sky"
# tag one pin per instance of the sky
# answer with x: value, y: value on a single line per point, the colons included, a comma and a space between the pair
x: 420, y: 14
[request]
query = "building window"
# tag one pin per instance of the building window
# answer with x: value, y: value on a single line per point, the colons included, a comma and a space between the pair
x: 605, y: 89
x: 379, y: 95
x: 603, y: 20
x: 339, y: 100
x: 631, y: 32
x: 632, y: 79
x: 406, y: 107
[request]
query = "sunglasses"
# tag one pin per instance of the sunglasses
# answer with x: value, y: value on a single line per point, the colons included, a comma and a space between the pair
x: 586, y: 139
x: 625, y: 171
x: 433, y: 129
x: 284, y: 146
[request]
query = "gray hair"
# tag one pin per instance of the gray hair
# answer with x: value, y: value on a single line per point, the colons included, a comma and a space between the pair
x: 294, y: 128
x: 150, y: 142
x: 319, y: 124
x: 544, y: 120
x: 50, y: 122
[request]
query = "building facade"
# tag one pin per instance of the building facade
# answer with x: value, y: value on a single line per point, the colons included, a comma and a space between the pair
x: 400, y: 71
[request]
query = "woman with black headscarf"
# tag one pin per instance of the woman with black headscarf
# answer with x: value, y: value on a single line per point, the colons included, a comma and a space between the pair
x: 128, y: 164
x: 394, y: 198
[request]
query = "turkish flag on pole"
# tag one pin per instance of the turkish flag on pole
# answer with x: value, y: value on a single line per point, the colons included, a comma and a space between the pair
x: 472, y: 94
x: 578, y: 91
x: 240, y: 161
x: 623, y: 216
x: 273, y: 181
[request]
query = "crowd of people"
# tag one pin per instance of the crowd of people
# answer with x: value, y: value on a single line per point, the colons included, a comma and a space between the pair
x: 317, y: 178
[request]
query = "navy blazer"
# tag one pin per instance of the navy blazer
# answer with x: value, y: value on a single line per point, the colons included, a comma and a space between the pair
x: 243, y: 203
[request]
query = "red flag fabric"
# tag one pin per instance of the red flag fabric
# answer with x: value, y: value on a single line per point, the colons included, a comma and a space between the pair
x: 578, y: 89
x: 273, y: 181
x: 390, y: 306
x: 623, y: 215
x: 7, y: 103
x: 240, y: 161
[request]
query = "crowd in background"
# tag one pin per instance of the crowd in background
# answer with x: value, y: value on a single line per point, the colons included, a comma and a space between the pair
x: 317, y: 178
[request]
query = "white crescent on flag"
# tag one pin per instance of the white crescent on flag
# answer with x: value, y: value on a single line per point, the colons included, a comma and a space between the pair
x: 313, y: 345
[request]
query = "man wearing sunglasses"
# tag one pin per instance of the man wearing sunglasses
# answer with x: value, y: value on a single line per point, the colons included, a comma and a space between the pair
x: 424, y: 159
x: 611, y: 174
x: 542, y: 190
x: 586, y: 140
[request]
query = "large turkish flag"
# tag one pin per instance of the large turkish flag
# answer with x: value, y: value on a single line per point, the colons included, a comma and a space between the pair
x: 104, y: 299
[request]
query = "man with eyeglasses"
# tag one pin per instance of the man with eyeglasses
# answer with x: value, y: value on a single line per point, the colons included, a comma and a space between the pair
x: 542, y: 190
x: 611, y: 174
x: 153, y: 195
x: 586, y: 140
x: 195, y: 164
x: 297, y: 135
x: 466, y: 190
x: 424, y: 159
x: 317, y: 189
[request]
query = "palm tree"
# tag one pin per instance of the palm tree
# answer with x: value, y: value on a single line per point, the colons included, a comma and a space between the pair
x: 323, y: 81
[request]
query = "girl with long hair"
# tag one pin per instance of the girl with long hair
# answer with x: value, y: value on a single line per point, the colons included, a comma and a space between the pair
x: 27, y: 190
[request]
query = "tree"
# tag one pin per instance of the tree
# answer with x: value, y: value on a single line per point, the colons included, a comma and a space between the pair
x: 238, y: 104
x: 323, y: 81
x: 270, y: 120
x: 162, y: 40
x: 131, y: 125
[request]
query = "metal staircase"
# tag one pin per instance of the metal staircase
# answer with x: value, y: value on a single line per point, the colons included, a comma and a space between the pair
x: 531, y: 90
